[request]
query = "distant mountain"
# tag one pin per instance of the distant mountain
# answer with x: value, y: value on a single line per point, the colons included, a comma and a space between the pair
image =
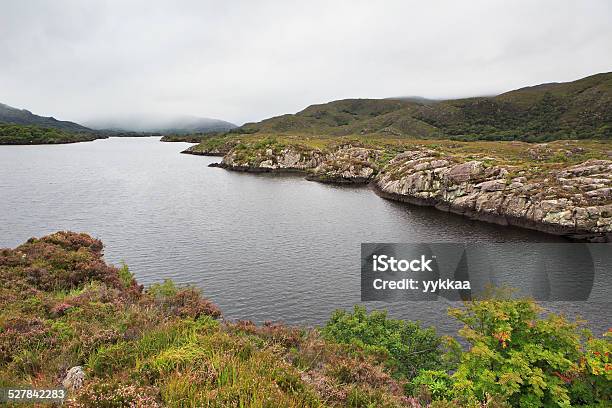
x: 578, y: 109
x: 162, y: 124
x: 119, y: 126
x: 15, y: 116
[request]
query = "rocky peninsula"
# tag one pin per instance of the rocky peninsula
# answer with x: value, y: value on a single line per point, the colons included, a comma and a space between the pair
x: 562, y: 187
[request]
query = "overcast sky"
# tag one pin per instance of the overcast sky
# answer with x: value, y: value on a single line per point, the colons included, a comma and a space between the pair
x: 248, y: 60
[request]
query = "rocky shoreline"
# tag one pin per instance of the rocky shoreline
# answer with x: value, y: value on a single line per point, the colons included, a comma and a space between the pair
x: 346, y: 164
x: 197, y: 153
x: 503, y: 219
x: 574, y: 201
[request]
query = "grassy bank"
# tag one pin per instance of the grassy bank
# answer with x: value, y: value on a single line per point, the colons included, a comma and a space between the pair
x: 62, y: 306
x: 23, y: 135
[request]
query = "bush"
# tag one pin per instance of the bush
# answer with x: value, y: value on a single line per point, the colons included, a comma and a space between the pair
x: 431, y: 385
x: 527, y: 359
x: 127, y: 277
x: 409, y: 347
x: 183, y: 302
x: 163, y: 290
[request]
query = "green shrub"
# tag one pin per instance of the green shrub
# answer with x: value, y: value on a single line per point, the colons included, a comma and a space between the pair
x: 127, y: 278
x: 409, y: 347
x: 528, y: 359
x: 163, y: 290
x: 435, y: 384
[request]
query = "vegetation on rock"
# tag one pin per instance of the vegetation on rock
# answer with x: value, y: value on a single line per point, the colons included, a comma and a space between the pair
x: 212, y: 146
x: 189, y: 138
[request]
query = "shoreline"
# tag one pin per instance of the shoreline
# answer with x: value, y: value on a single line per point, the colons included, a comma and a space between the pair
x: 505, y: 205
x: 497, y: 219
x: 196, y: 153
x: 500, y: 220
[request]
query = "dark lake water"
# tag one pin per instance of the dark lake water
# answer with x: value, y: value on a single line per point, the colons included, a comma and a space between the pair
x: 263, y: 247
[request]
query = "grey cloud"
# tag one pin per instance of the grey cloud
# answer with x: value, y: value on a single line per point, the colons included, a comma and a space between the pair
x: 244, y: 61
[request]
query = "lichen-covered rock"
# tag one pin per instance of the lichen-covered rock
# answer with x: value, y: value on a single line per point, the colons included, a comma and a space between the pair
x: 348, y: 164
x: 470, y: 171
x: 487, y: 192
x: 280, y: 159
x: 344, y: 164
x: 492, y: 185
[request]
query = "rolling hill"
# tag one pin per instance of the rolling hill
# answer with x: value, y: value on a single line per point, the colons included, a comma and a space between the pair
x: 20, y: 126
x: 572, y: 110
x: 15, y: 116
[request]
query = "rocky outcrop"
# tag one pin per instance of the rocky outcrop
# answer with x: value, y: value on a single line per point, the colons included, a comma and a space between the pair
x: 212, y: 152
x: 575, y: 201
x: 345, y: 165
x: 289, y: 159
x: 212, y: 147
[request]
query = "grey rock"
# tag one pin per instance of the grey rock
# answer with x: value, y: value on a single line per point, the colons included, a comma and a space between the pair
x: 603, y: 193
x: 492, y: 185
x: 464, y: 172
x: 476, y: 191
x: 74, y: 378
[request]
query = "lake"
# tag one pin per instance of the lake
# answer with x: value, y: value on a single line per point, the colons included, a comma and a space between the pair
x: 261, y: 246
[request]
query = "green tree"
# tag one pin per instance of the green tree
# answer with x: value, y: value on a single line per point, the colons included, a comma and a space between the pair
x: 528, y: 359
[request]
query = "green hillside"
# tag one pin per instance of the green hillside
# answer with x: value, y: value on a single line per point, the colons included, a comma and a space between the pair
x: 574, y: 110
x: 15, y: 116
